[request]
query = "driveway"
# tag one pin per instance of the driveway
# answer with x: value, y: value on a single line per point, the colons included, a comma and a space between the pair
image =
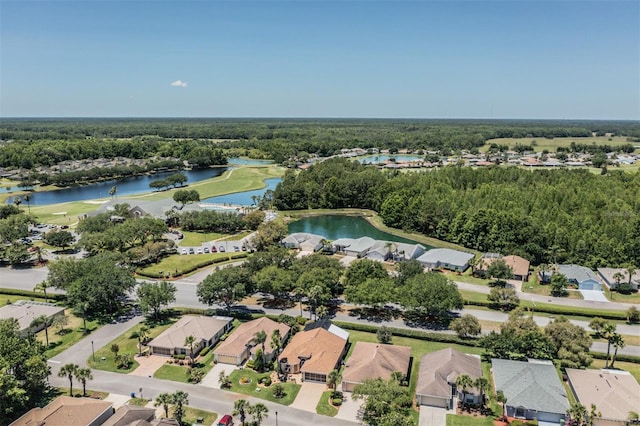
x: 309, y: 396
x: 350, y: 408
x: 149, y: 365
x: 594, y: 295
x: 432, y: 416
x: 211, y: 379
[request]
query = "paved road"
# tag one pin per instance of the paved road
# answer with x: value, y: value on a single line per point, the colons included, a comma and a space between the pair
x: 199, y: 396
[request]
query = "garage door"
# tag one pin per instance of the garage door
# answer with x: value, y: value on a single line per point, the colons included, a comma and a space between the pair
x: 434, y: 402
x: 227, y: 359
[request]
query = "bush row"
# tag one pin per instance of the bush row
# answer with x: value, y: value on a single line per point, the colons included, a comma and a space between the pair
x: 414, y: 334
x: 28, y: 293
x: 560, y: 310
x: 619, y: 357
x: 194, y: 267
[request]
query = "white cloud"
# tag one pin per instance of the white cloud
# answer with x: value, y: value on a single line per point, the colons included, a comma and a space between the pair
x: 179, y: 83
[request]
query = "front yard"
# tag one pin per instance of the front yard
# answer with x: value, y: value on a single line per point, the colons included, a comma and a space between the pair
x: 252, y: 388
x: 63, y: 338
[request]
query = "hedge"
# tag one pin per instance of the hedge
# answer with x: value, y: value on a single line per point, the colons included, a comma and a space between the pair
x: 620, y: 357
x: 559, y: 310
x: 194, y: 267
x: 413, y: 334
x: 29, y: 293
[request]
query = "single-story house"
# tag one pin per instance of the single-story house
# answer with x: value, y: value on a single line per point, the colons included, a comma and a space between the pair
x: 303, y: 241
x: 329, y: 326
x: 240, y: 345
x: 128, y: 414
x: 607, y: 275
x: 582, y: 276
x: 533, y: 389
x: 390, y: 250
x: 313, y: 353
x: 206, y: 330
x: 355, y: 247
x: 68, y: 411
x: 519, y: 265
x: 26, y: 311
x: 374, y: 360
x: 614, y: 393
x: 446, y: 258
x: 437, y: 377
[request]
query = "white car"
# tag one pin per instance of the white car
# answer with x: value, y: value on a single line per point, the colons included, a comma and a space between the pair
x: 199, y: 250
x: 183, y: 251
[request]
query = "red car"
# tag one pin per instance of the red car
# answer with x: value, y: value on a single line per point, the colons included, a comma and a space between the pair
x: 226, y: 420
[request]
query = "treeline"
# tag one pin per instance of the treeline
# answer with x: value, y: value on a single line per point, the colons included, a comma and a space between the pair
x: 544, y: 216
x: 35, y: 151
x: 211, y: 221
x: 46, y: 142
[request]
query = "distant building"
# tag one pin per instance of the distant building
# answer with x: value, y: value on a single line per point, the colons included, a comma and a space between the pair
x: 454, y: 260
x: 68, y: 411
x: 303, y: 241
x: 607, y: 275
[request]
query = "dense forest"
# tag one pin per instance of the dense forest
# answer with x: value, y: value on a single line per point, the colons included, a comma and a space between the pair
x: 30, y: 143
x: 542, y: 215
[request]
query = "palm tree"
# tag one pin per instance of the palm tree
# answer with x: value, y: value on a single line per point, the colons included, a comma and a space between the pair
x: 240, y: 408
x: 40, y: 252
x: 631, y: 270
x: 190, y: 341
x: 259, y: 413
x: 464, y: 382
x: 633, y: 417
x: 42, y: 320
x: 27, y: 199
x: 501, y: 399
x: 259, y: 338
x: 332, y: 379
x: 618, y: 277
x: 69, y: 370
x: 578, y: 413
x: 43, y: 286
x: 482, y: 385
x: 143, y: 334
x: 300, y: 292
x: 115, y: 349
x: 179, y: 399
x: 276, y: 341
x: 618, y: 343
x: 322, y: 312
x: 163, y: 399
x: 84, y: 306
x: 608, y: 332
x: 84, y: 374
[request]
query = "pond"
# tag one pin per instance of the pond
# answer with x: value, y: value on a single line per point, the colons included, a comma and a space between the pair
x: 244, y: 198
x: 333, y: 227
x: 126, y: 186
x: 381, y: 158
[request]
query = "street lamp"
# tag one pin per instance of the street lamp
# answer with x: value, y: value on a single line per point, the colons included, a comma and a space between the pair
x: 93, y: 352
x: 276, y: 418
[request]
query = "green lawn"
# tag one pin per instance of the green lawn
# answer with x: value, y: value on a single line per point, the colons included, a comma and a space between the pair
x: 175, y: 373
x: 614, y: 296
x: 323, y: 407
x: 127, y: 344
x: 72, y: 333
x: 193, y: 414
x: 290, y: 389
x: 139, y: 402
x: 454, y: 420
x: 236, y: 237
x: 181, y: 262
x: 198, y: 238
x: 77, y: 392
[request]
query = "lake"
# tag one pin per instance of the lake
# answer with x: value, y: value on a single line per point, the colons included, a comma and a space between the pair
x: 333, y: 227
x: 381, y: 158
x: 126, y: 186
x: 244, y: 198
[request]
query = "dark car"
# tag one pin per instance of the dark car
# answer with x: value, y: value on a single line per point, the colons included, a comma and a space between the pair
x: 213, y: 249
x: 191, y: 250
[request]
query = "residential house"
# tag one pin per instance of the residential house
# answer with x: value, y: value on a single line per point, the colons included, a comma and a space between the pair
x: 533, y: 389
x: 26, y: 311
x: 313, y: 353
x: 207, y: 331
x: 374, y: 360
x: 355, y: 247
x: 519, y: 265
x: 240, y: 345
x: 607, y: 275
x: 454, y: 260
x: 614, y: 393
x: 437, y: 377
x: 582, y: 276
x: 131, y: 414
x: 390, y: 250
x: 68, y: 411
x: 303, y: 241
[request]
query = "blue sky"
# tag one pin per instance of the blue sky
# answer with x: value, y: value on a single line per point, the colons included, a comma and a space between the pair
x: 419, y: 59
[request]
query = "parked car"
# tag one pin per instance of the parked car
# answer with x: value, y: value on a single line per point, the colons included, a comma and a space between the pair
x: 226, y: 420
x: 206, y: 249
x: 191, y: 250
x: 236, y: 248
x: 183, y: 251
x: 244, y: 248
x: 213, y: 249
x: 199, y: 250
x: 221, y: 249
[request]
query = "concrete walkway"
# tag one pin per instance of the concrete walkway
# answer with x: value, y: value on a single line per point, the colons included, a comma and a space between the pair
x: 595, y: 295
x: 309, y: 396
x: 432, y: 416
x: 149, y: 365
x: 350, y: 408
x: 211, y: 379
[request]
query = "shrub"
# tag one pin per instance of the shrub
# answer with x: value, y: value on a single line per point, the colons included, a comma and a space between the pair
x: 27, y: 293
x: 179, y: 356
x: 633, y: 315
x: 266, y: 381
x: 384, y: 335
x: 336, y: 401
x: 278, y: 390
x: 205, y: 351
x: 250, y: 363
x: 301, y: 320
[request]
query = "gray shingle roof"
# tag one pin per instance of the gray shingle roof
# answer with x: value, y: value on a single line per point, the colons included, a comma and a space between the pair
x: 577, y: 273
x: 443, y: 255
x: 534, y: 385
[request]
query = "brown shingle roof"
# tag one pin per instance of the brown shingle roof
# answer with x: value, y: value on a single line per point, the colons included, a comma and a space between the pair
x: 519, y: 265
x: 373, y: 360
x: 438, y: 369
x: 236, y: 343
x: 615, y: 393
x: 321, y: 348
x: 128, y: 414
x: 202, y: 328
x: 65, y: 411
